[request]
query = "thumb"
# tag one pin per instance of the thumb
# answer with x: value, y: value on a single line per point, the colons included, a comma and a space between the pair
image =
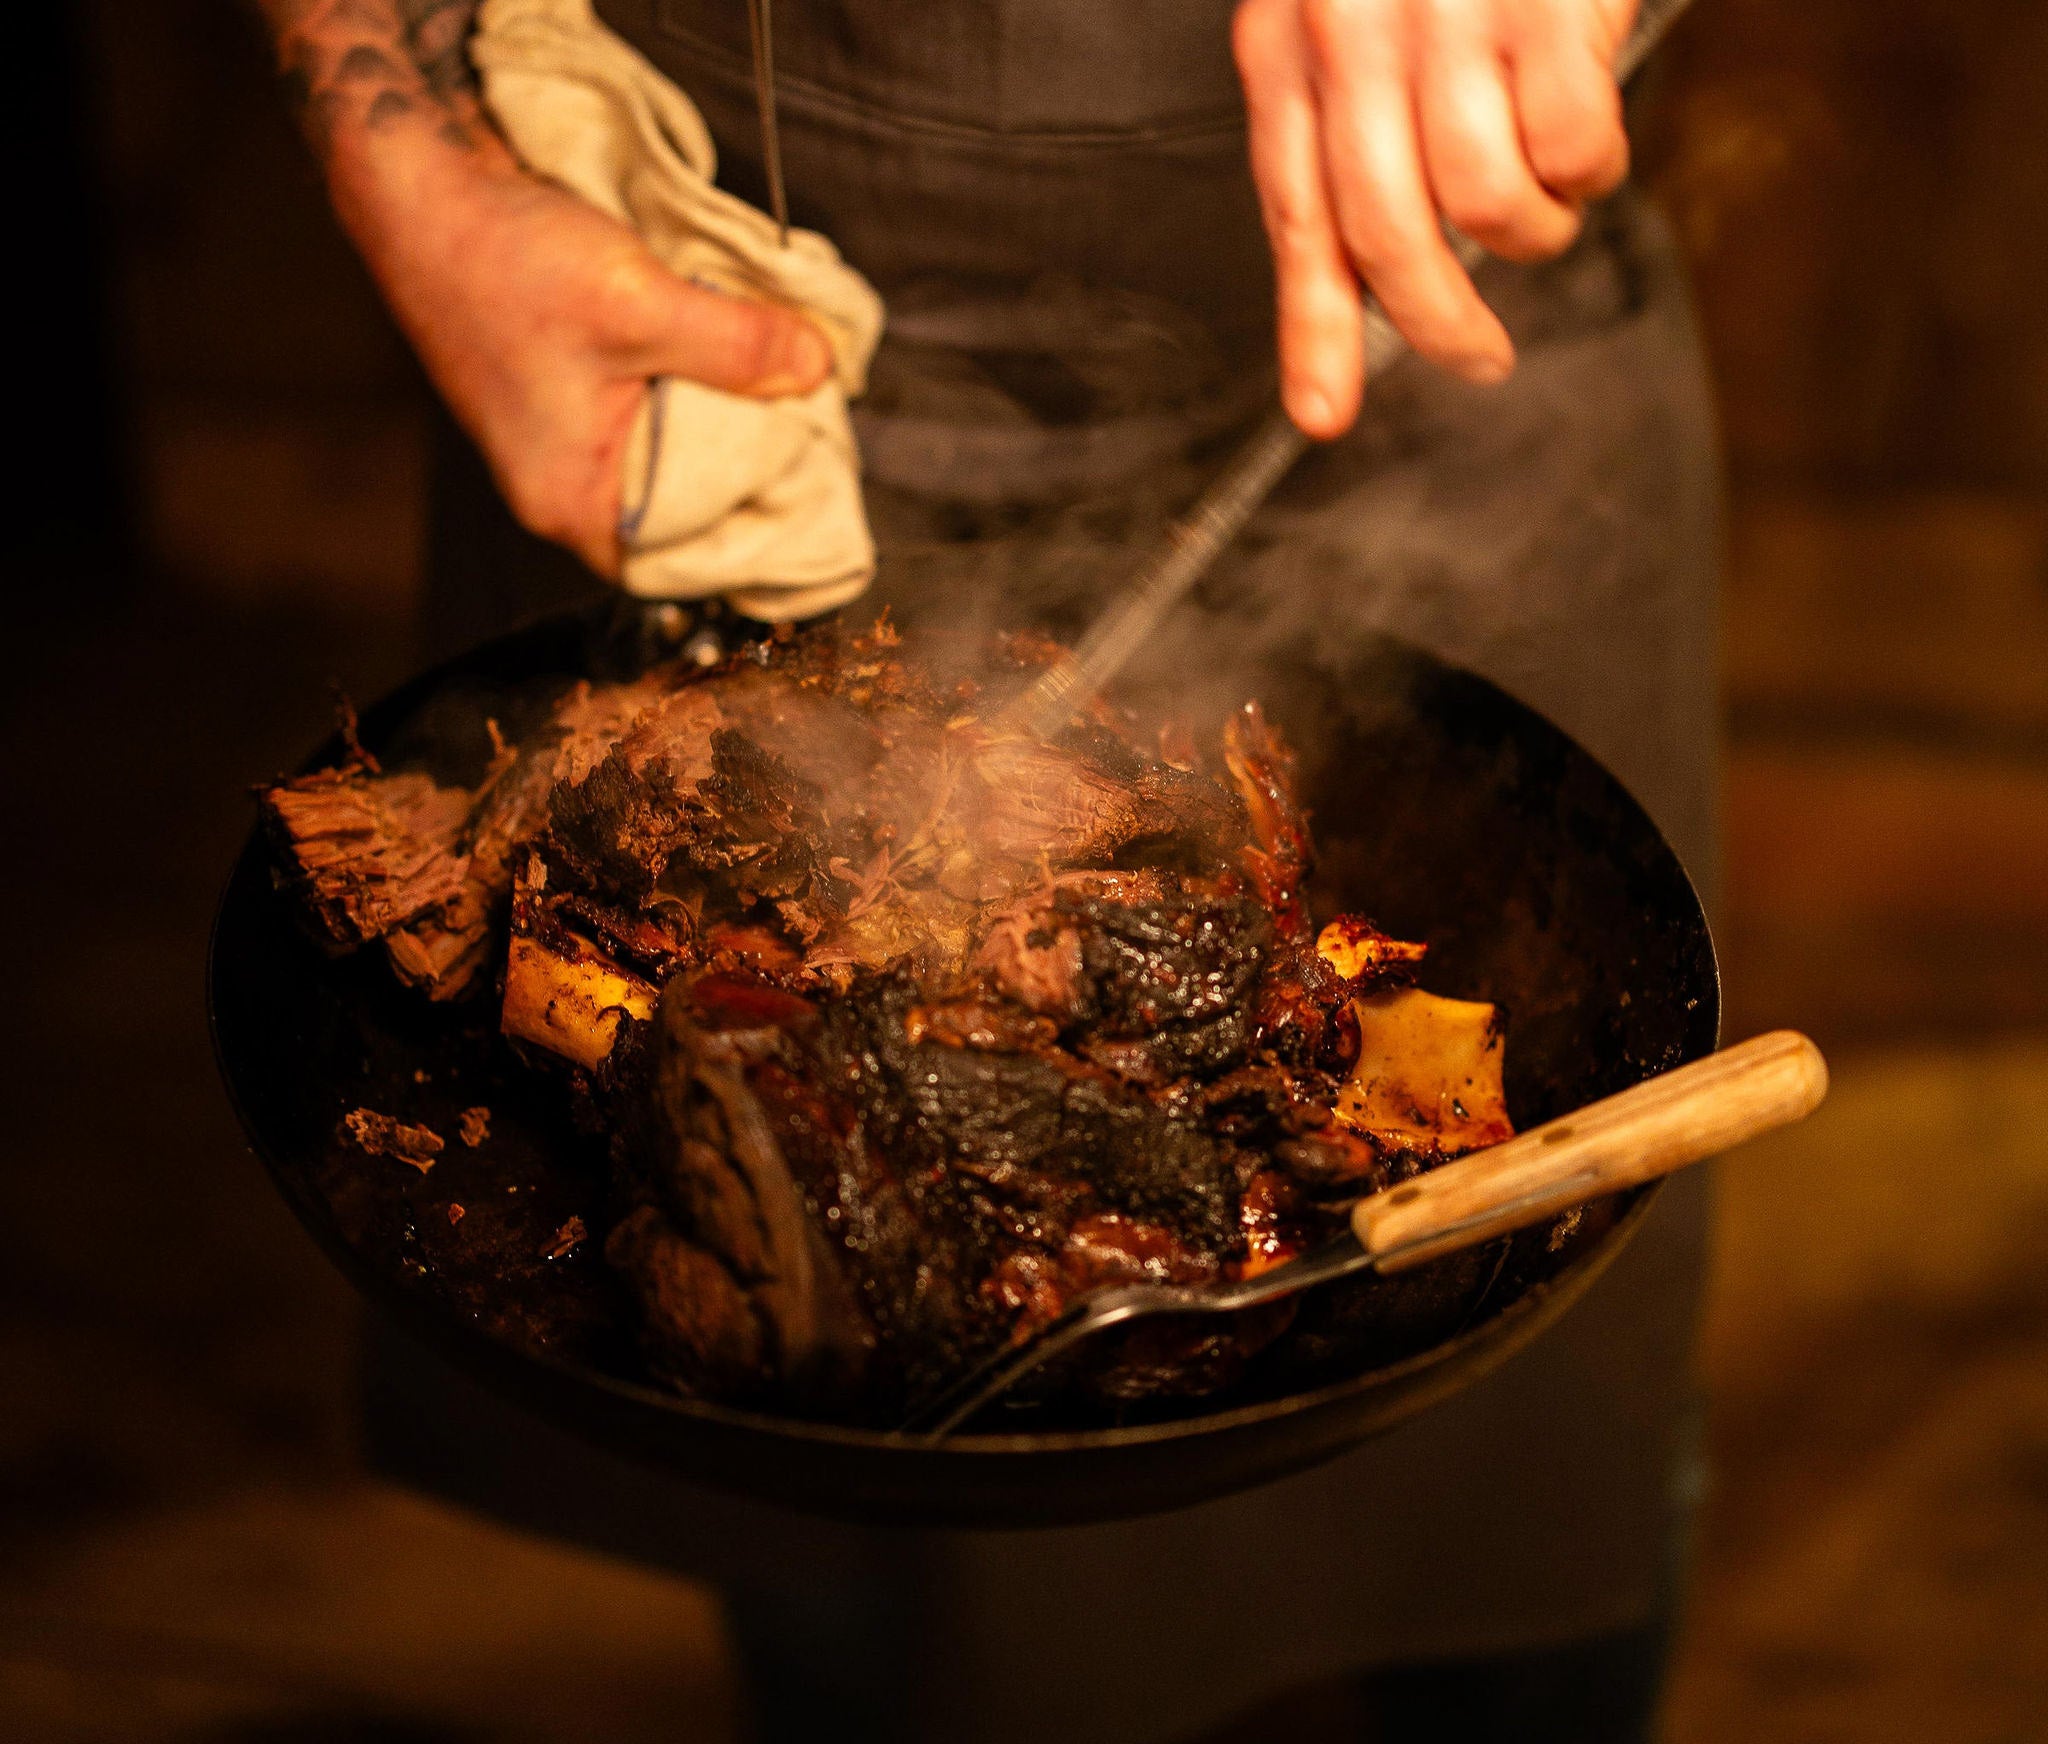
x: 732, y: 342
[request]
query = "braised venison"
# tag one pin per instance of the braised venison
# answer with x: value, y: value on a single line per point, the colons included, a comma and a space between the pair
x: 909, y: 1029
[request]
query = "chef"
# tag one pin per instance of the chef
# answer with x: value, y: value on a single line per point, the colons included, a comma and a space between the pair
x: 1100, y: 230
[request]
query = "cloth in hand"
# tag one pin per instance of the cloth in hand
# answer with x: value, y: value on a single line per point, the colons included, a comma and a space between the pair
x: 755, y: 500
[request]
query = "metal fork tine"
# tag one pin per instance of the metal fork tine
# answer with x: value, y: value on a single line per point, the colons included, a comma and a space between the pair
x: 995, y: 1375
x: 957, y: 1405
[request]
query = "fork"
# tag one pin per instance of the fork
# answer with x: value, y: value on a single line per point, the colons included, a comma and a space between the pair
x: 1651, y: 1129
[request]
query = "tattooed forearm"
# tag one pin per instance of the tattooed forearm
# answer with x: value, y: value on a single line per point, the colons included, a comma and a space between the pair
x: 437, y: 33
x: 369, y: 64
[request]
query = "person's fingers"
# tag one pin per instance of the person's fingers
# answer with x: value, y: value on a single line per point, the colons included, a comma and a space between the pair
x: 1561, y: 65
x: 1360, y: 52
x: 1612, y: 20
x: 1472, y: 145
x: 734, y: 343
x: 1321, y: 323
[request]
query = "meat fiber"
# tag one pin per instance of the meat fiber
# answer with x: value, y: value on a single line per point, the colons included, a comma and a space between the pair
x: 426, y: 869
x: 910, y: 1028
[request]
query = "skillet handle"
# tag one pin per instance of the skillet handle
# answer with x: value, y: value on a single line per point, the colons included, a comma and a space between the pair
x: 1650, y: 1129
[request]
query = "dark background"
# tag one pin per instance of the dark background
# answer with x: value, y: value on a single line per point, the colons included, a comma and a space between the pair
x: 218, y: 509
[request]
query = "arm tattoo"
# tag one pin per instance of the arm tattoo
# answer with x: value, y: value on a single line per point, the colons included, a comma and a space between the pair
x: 364, y: 65
x: 437, y: 34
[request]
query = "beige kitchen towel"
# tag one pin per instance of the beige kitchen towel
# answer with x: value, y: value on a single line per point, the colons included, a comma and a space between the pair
x: 757, y: 500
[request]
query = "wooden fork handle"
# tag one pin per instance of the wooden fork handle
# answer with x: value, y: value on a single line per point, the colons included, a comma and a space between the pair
x: 1650, y: 1129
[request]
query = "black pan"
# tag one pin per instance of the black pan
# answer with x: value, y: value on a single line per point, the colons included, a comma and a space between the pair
x: 1443, y: 808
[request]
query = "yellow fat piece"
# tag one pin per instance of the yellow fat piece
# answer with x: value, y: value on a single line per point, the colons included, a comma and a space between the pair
x: 1429, y: 1073
x: 1352, y: 948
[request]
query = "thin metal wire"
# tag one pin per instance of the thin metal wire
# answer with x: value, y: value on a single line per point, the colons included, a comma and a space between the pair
x: 761, y: 27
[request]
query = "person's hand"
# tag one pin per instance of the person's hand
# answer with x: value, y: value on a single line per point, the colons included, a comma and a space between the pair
x: 541, y: 320
x: 1372, y: 121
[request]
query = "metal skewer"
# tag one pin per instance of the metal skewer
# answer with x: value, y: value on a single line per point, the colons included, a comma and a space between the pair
x: 761, y: 28
x: 1194, y: 542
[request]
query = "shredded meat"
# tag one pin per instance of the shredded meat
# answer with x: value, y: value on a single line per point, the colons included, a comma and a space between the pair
x: 374, y: 852
x: 910, y: 1029
x: 383, y: 1136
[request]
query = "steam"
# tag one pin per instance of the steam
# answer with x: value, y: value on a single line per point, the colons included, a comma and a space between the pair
x: 1489, y: 525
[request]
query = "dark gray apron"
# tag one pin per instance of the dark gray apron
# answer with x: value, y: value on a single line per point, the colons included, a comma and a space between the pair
x: 1052, y: 196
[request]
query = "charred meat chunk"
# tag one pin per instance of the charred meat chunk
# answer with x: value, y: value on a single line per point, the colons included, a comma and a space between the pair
x: 908, y: 1029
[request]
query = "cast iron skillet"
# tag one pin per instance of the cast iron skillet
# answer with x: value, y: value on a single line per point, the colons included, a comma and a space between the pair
x: 1443, y: 808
